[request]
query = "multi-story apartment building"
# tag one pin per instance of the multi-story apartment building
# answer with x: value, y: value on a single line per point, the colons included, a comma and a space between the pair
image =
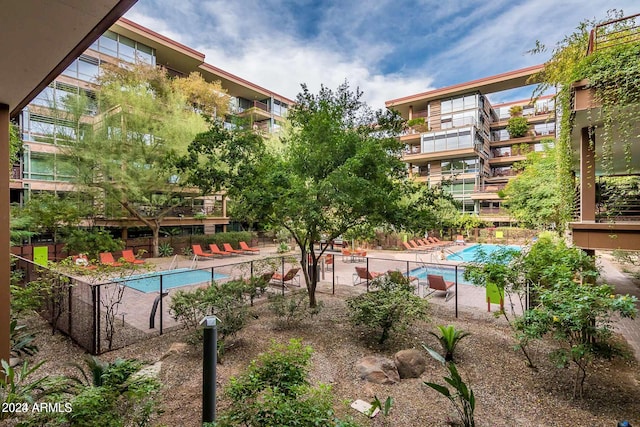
x: 42, y: 167
x: 463, y: 142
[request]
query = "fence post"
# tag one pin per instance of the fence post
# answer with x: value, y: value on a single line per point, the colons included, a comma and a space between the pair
x: 282, y: 258
x: 456, y: 272
x: 70, y: 308
x: 99, y: 314
x: 161, y: 310
x: 367, y: 274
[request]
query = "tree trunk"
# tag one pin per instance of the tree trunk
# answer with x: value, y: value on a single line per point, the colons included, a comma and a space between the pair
x: 155, y: 242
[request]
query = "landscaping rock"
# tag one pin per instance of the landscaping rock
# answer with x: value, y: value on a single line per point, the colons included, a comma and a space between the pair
x: 15, y: 361
x: 378, y: 370
x: 151, y: 371
x: 410, y: 363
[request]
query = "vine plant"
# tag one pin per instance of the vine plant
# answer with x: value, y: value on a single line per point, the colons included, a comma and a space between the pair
x: 612, y: 72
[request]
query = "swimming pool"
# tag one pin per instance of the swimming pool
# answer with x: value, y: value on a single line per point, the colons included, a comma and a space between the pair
x: 448, y: 273
x: 469, y: 254
x: 150, y: 282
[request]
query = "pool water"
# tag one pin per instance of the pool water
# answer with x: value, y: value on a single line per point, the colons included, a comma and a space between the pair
x: 469, y: 254
x: 449, y: 274
x: 150, y: 282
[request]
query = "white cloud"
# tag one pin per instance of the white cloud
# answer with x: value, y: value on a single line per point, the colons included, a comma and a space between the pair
x: 390, y: 48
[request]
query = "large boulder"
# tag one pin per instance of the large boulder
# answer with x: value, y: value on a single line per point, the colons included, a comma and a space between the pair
x: 378, y: 370
x: 411, y: 363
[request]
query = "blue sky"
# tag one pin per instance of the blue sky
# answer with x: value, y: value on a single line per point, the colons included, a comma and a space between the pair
x: 389, y: 48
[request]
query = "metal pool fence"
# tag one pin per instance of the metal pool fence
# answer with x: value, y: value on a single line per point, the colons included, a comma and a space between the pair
x: 101, y: 313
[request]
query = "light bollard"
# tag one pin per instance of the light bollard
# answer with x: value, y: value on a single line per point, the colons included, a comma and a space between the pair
x: 209, y: 361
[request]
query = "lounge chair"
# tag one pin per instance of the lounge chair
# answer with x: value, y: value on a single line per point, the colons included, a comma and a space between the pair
x: 412, y: 248
x: 460, y: 240
x: 215, y: 250
x: 443, y: 242
x: 347, y: 255
x: 362, y: 275
x: 198, y: 252
x: 106, y: 258
x: 435, y: 243
x: 290, y: 276
x: 328, y: 261
x: 249, y: 249
x: 129, y: 257
x: 227, y: 247
x: 437, y: 283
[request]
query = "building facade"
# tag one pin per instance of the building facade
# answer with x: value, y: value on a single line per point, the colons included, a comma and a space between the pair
x: 42, y: 167
x: 457, y: 139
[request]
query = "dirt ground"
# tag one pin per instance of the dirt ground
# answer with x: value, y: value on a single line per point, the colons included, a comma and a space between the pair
x: 507, y: 392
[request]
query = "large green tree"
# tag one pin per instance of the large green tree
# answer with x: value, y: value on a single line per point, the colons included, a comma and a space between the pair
x: 533, y: 197
x: 126, y: 152
x: 338, y: 168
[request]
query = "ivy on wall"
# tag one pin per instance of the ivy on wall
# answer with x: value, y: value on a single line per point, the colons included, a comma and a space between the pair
x: 613, y: 72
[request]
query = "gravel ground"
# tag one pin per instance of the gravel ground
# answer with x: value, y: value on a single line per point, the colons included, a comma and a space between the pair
x: 507, y: 392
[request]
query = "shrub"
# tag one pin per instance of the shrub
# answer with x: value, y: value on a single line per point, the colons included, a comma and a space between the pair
x: 91, y: 242
x: 517, y: 126
x: 290, y: 310
x: 224, y: 301
x: 116, y: 396
x: 391, y: 306
x: 274, y: 392
x: 449, y: 338
x: 165, y: 249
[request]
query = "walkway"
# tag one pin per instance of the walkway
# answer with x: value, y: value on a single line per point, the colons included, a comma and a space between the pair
x: 623, y: 284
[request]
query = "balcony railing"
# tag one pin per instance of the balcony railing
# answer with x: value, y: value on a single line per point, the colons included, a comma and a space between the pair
x: 488, y: 188
x: 613, y: 33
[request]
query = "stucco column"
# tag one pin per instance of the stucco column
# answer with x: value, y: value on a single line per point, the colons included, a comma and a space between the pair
x: 5, y: 272
x: 587, y: 177
x: 410, y: 112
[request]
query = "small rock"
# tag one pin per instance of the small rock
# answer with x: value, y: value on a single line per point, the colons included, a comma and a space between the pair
x: 378, y: 370
x: 14, y: 361
x: 411, y: 363
x: 151, y: 371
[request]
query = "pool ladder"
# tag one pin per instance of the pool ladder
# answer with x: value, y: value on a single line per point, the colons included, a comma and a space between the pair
x: 174, y: 263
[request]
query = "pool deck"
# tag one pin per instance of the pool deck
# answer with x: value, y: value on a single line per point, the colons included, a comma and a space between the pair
x: 470, y: 299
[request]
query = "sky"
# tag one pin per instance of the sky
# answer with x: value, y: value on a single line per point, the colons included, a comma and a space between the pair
x: 387, y: 48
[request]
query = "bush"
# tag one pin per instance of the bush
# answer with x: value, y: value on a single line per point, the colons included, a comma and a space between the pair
x: 390, y: 307
x: 165, y: 249
x: 224, y: 301
x: 517, y: 126
x: 116, y: 397
x: 91, y: 242
x: 274, y: 392
x: 290, y: 310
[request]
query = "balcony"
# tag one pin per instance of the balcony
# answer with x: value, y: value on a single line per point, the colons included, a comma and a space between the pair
x: 256, y: 111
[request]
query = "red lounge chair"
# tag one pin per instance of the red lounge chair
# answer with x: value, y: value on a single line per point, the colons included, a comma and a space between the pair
x: 362, y: 275
x: 443, y: 242
x: 289, y: 277
x: 227, y: 247
x: 197, y: 251
x: 215, y: 250
x: 347, y: 255
x: 106, y: 258
x: 128, y: 256
x: 249, y: 249
x: 328, y: 261
x: 460, y: 240
x: 437, y: 283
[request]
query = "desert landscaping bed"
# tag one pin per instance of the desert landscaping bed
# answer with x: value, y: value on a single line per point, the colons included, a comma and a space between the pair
x: 507, y: 392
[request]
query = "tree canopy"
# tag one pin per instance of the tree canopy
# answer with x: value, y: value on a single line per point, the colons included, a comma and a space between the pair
x: 533, y: 197
x: 145, y: 120
x: 339, y: 167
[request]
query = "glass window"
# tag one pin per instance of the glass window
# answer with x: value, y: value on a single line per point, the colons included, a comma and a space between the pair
x: 41, y: 166
x: 44, y: 98
x: 457, y: 104
x: 465, y: 140
x: 109, y: 43
x: 470, y: 102
x: 127, y: 49
x: 440, y: 143
x: 146, y: 54
x: 72, y: 70
x: 445, y: 107
x: 88, y: 69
